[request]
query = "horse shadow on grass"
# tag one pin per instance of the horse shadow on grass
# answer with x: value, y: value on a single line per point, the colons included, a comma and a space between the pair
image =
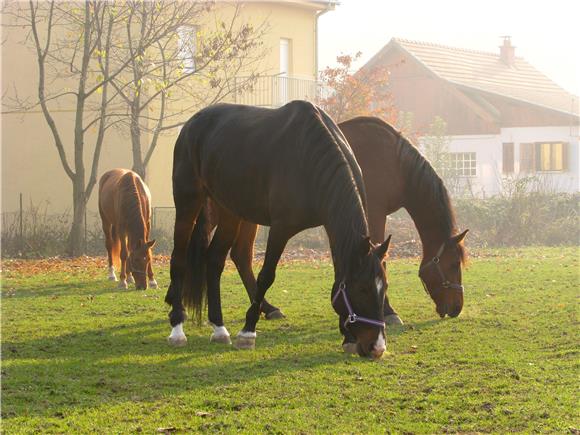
x: 117, y: 363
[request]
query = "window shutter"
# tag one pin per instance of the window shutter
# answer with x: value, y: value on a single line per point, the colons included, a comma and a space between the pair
x: 537, y: 157
x: 527, y: 157
x: 508, y: 158
x: 565, y: 150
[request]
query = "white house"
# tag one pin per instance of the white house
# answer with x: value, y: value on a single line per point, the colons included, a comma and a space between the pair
x: 505, y: 119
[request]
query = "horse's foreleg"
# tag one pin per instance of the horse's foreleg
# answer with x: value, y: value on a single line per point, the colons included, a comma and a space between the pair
x: 152, y: 281
x: 242, y: 254
x: 377, y: 222
x: 216, y: 257
x: 277, y: 239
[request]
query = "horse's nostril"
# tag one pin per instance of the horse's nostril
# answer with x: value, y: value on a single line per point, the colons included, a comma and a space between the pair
x: 455, y: 312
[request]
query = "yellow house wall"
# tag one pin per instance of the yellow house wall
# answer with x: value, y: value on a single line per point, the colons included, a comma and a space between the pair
x: 30, y: 162
x: 284, y: 21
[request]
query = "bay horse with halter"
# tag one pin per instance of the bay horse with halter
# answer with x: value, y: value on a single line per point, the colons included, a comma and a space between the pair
x: 396, y: 175
x: 125, y: 209
x: 291, y: 169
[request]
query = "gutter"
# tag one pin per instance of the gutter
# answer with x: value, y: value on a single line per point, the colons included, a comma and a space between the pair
x: 329, y: 7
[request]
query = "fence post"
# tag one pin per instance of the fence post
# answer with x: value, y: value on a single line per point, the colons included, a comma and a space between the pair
x: 21, y: 228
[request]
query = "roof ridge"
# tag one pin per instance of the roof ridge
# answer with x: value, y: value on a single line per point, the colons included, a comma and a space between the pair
x: 465, y: 50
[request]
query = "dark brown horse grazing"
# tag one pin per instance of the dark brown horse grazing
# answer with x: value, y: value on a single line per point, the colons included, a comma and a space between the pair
x: 395, y: 175
x: 289, y: 168
x: 125, y: 209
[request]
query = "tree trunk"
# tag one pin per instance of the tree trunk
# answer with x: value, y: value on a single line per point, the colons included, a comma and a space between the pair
x: 76, y: 235
x: 138, y: 165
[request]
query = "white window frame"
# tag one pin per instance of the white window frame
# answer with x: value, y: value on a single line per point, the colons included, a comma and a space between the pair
x: 462, y: 164
x: 186, y: 47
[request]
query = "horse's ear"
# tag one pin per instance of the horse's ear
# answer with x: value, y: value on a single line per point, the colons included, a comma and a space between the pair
x: 150, y: 244
x: 381, y: 250
x: 365, y: 246
x: 459, y: 237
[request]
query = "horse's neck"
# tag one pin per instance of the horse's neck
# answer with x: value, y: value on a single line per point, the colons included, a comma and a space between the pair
x: 345, y: 237
x: 428, y: 227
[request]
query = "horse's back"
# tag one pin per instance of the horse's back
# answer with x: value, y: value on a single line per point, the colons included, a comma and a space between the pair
x: 116, y: 183
x: 244, y: 156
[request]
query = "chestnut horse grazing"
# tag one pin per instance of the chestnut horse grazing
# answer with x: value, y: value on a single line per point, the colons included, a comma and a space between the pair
x: 395, y: 175
x: 290, y: 168
x: 125, y: 209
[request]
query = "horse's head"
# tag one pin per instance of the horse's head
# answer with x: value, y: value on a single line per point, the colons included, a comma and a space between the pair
x: 359, y: 299
x: 441, y: 276
x: 139, y: 261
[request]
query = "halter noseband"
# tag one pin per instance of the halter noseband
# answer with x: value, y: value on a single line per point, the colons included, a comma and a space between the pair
x: 352, y: 316
x: 143, y: 272
x: 445, y: 283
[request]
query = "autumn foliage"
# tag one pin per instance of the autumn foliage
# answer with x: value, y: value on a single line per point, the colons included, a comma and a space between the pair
x: 365, y: 92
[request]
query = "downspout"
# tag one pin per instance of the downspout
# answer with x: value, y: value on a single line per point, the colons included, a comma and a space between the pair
x: 329, y: 7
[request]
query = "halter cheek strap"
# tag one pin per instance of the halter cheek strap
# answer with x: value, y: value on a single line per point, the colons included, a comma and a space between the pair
x: 352, y: 316
x: 445, y: 283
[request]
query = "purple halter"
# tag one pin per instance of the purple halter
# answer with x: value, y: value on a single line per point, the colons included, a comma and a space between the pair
x: 352, y: 316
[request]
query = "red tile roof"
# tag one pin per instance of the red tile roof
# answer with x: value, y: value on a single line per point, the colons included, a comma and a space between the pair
x: 486, y: 72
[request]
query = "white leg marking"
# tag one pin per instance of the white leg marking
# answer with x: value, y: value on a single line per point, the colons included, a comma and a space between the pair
x: 130, y: 279
x: 112, y: 276
x: 153, y: 283
x: 379, y: 284
x: 246, y: 334
x: 123, y: 284
x: 380, y: 346
x: 177, y: 336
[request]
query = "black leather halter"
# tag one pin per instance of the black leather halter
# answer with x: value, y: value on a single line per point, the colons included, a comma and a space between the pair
x: 445, y: 283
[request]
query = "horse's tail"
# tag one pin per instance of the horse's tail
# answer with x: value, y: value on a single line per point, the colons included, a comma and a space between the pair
x: 194, y: 290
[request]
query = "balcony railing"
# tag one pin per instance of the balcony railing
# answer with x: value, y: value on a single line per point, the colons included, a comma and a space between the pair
x: 275, y: 91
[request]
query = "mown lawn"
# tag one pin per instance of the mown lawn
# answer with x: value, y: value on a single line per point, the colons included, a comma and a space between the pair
x: 80, y: 356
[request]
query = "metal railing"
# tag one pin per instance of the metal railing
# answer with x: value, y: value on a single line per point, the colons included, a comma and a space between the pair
x: 275, y: 91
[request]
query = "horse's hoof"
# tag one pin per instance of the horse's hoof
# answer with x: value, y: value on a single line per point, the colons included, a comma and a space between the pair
x: 177, y: 340
x: 246, y: 340
x: 220, y: 334
x: 130, y: 280
x: 349, y: 348
x: 153, y: 284
x: 222, y: 339
x: 393, y: 319
x: 275, y: 315
x: 112, y: 278
x: 123, y: 285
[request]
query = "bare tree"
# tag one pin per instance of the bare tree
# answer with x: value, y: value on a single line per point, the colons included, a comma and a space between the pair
x: 169, y: 75
x: 65, y: 38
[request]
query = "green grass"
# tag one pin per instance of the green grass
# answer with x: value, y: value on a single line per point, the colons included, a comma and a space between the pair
x: 80, y: 356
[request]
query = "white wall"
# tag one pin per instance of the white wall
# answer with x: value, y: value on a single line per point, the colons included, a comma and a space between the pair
x: 489, y: 153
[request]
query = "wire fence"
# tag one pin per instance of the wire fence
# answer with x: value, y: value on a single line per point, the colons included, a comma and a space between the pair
x: 521, y: 219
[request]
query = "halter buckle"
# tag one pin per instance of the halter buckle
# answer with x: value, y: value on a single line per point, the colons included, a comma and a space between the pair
x: 435, y: 260
x: 352, y: 318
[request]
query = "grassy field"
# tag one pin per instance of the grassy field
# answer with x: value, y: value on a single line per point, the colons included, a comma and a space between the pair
x: 80, y: 356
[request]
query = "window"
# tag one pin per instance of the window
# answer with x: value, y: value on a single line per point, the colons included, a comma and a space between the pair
x: 543, y: 156
x: 186, y: 44
x: 462, y: 164
x: 508, y: 158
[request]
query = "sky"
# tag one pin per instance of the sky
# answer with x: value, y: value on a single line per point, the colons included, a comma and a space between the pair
x: 545, y: 33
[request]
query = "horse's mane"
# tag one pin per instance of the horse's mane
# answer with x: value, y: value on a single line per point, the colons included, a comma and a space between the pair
x: 423, y: 186
x: 335, y: 181
x: 130, y: 205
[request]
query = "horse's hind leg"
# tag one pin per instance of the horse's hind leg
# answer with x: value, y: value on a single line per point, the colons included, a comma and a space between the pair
x: 277, y: 240
x: 150, y: 276
x: 187, y: 207
x: 217, y: 252
x: 111, y: 245
x: 242, y: 254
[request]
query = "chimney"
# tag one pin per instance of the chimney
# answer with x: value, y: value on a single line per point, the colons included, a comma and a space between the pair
x: 507, y: 51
